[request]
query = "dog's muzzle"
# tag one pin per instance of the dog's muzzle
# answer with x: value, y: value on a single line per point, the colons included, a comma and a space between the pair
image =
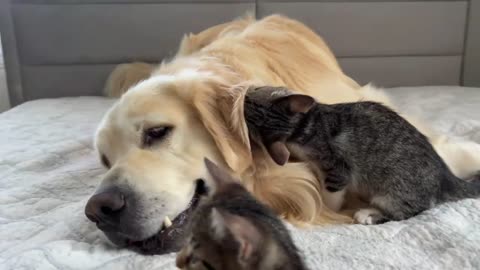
x: 115, y: 211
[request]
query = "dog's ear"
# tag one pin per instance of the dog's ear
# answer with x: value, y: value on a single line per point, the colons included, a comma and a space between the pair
x: 124, y: 76
x: 296, y: 103
x: 279, y: 152
x: 221, y: 111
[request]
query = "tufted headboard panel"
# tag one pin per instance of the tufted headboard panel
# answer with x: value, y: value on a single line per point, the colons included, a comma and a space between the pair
x: 58, y: 48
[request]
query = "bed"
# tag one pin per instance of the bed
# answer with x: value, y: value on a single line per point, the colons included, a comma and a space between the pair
x: 48, y: 167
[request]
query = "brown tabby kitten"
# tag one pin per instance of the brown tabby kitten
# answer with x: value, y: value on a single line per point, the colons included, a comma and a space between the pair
x: 363, y: 146
x: 231, y: 230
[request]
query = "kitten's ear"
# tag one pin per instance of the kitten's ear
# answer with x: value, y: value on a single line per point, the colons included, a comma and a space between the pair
x: 247, y: 235
x: 279, y: 152
x: 296, y: 103
x: 220, y: 176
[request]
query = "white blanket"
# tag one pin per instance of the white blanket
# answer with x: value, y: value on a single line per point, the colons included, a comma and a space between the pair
x: 48, y: 169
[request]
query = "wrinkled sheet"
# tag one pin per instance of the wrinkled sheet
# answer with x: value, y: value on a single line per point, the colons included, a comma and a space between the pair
x: 48, y: 169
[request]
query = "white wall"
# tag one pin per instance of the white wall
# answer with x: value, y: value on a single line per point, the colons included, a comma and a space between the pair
x: 4, y: 103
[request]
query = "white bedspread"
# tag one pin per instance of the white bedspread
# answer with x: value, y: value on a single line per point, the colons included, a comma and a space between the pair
x: 48, y: 169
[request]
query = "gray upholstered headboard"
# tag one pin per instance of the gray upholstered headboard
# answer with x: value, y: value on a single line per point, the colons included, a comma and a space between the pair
x: 67, y: 47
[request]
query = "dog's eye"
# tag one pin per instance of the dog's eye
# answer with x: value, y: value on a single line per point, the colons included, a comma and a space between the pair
x: 152, y: 135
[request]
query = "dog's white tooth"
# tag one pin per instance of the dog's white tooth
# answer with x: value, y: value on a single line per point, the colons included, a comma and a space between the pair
x: 167, y: 222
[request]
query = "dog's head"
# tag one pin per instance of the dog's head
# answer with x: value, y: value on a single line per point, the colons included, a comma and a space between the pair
x: 153, y: 142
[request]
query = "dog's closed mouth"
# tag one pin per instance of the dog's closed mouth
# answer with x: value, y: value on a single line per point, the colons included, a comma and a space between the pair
x: 172, y: 234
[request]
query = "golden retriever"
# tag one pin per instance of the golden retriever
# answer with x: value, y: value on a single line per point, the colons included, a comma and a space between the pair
x: 171, y: 116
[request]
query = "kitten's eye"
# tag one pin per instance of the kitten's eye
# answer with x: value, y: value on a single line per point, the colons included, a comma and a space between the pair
x: 207, y: 265
x: 155, y: 134
x: 197, y: 263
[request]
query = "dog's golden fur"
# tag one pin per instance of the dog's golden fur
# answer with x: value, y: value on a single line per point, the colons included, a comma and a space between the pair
x: 274, y: 51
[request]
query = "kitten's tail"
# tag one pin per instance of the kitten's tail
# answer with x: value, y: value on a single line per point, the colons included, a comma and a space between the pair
x: 456, y: 188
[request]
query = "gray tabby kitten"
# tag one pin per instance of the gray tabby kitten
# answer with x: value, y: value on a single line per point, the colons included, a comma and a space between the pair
x: 232, y: 230
x: 363, y: 146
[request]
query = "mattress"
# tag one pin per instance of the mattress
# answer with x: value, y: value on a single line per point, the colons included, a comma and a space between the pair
x: 48, y: 169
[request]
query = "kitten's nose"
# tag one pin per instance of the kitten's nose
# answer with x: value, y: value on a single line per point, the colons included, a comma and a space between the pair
x: 102, y: 208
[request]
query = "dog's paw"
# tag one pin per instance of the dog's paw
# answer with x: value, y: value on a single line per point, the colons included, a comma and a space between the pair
x: 369, y: 216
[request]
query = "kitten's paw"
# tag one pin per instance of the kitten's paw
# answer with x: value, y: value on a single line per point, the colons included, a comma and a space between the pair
x: 333, y: 189
x: 369, y: 216
x: 334, y: 184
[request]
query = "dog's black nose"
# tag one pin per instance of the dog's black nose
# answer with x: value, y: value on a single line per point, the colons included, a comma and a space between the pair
x: 103, y: 208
